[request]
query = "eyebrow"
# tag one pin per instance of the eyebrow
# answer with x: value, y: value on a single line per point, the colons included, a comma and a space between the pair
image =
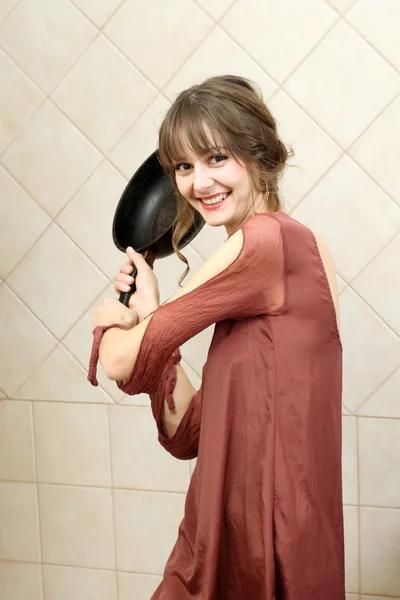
x: 210, y: 150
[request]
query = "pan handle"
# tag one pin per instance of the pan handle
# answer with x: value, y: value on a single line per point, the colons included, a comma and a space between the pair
x: 124, y: 297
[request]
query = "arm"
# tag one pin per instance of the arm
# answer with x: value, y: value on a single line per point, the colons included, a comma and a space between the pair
x: 244, y: 278
x: 119, y: 348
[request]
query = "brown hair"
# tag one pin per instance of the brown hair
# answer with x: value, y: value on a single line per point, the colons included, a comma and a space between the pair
x: 233, y: 110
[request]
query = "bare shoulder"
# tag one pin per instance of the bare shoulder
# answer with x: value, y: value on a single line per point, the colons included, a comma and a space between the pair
x: 329, y: 266
x: 220, y: 260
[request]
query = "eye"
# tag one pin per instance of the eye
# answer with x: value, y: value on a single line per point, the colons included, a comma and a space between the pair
x: 182, y: 167
x: 218, y: 158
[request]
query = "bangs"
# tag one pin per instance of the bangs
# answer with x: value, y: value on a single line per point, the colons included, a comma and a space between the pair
x: 190, y: 128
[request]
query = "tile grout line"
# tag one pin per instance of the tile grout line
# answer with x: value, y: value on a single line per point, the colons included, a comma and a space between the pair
x: 183, y: 493
x: 359, y: 502
x: 391, y: 374
x: 385, y: 245
x: 114, y: 521
x: 38, y: 496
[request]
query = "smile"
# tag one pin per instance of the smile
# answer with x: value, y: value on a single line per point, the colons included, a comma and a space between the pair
x: 215, y: 199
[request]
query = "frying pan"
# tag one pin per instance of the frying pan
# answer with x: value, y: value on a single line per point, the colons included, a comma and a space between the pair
x: 145, y: 216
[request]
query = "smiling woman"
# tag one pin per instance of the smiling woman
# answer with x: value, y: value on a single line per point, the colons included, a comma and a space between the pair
x: 263, y: 515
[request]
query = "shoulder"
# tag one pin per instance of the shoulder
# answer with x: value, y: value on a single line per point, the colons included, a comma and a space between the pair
x: 329, y: 267
x: 324, y: 250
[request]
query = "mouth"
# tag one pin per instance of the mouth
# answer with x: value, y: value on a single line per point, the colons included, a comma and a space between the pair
x: 214, y: 202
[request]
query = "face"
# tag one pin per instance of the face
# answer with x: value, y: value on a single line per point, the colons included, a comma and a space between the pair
x: 219, y: 188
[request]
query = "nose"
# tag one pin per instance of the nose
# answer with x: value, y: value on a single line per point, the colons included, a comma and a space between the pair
x: 202, y: 180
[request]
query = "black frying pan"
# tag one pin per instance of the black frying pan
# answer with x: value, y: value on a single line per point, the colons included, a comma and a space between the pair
x: 145, y: 216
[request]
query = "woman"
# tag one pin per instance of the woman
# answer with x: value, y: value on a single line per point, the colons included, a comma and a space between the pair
x: 263, y: 516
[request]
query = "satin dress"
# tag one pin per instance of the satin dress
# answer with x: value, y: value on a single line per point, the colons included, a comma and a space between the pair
x: 263, y: 516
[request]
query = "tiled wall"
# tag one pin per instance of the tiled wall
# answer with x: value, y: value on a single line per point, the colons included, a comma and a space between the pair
x: 89, y: 502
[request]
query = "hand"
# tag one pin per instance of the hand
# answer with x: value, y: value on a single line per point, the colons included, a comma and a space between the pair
x: 147, y: 296
x: 112, y: 312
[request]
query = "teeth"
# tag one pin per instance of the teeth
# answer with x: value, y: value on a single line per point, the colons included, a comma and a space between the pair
x: 216, y: 199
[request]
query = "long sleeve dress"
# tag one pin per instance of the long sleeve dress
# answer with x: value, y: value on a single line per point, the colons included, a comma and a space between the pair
x: 263, y: 515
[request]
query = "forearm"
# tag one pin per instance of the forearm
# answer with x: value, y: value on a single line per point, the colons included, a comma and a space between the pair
x: 118, y: 352
x: 183, y: 395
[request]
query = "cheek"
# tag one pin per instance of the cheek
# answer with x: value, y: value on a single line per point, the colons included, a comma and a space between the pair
x: 182, y: 185
x: 239, y: 176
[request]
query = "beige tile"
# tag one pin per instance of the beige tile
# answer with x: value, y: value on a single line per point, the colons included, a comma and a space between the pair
x: 352, y: 597
x: 342, y: 5
x: 137, y: 400
x: 382, y: 166
x: 385, y: 401
x: 141, y: 139
x: 206, y: 242
x: 54, y: 178
x: 87, y: 218
x: 20, y: 581
x: 17, y: 460
x: 379, y: 284
x: 61, y: 379
x: 315, y: 151
x: 351, y: 535
x: 77, y: 526
x: 176, y: 20
x: 5, y: 7
x: 218, y: 55
x: 98, y: 12
x: 353, y: 215
x: 169, y: 270
x: 193, y: 463
x: 18, y: 101
x: 349, y: 460
x: 62, y: 281
x: 146, y: 529
x: 17, y: 237
x: 377, y: 21
x: 215, y: 9
x: 376, y: 598
x: 72, y: 444
x: 103, y: 94
x: 371, y: 351
x: 138, y: 460
x: 270, y: 32
x: 19, y: 532
x: 139, y: 587
x: 344, y: 84
x: 46, y: 50
x: 79, y: 342
x: 379, y: 536
x: 193, y: 377
x: 341, y: 284
x: 195, y: 350
x: 22, y: 348
x: 379, y: 462
x: 64, y: 583
x: 345, y: 411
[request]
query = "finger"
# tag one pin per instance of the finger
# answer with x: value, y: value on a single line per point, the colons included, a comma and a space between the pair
x: 120, y: 286
x: 126, y: 268
x: 127, y: 279
x: 137, y: 258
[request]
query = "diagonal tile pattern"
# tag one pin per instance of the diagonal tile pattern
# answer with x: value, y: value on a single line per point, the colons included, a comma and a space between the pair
x: 85, y: 85
x: 187, y: 23
x: 270, y: 38
x: 46, y: 50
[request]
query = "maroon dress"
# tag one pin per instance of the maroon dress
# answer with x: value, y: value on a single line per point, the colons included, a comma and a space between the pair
x: 263, y: 516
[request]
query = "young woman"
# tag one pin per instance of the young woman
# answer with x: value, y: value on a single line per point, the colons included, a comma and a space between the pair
x: 263, y: 516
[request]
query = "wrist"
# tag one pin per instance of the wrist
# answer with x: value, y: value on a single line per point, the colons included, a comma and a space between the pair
x: 149, y: 311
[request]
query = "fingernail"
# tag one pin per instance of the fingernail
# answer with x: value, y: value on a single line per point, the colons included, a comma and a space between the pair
x: 130, y: 249
x: 126, y: 288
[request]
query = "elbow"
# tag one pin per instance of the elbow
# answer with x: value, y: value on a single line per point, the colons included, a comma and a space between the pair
x: 116, y: 370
